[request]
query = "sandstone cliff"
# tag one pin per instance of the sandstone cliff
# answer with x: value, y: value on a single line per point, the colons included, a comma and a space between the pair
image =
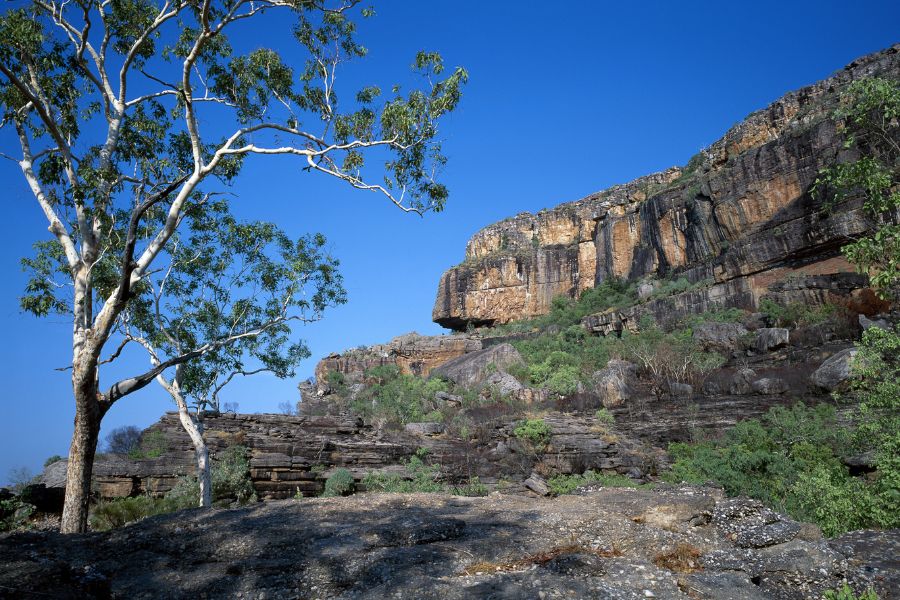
x: 739, y: 217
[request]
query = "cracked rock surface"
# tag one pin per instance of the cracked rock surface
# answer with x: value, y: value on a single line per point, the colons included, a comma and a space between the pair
x: 663, y: 542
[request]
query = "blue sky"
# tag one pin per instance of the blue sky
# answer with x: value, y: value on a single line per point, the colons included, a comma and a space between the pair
x: 561, y: 103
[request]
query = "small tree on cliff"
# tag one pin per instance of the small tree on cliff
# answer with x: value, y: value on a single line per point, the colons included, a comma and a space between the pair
x: 869, y: 116
x: 128, y: 113
x: 220, y: 277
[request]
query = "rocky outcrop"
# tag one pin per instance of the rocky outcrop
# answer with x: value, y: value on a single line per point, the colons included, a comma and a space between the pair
x: 291, y: 455
x: 472, y: 369
x: 670, y: 543
x: 412, y: 353
x: 738, y: 219
x: 834, y: 372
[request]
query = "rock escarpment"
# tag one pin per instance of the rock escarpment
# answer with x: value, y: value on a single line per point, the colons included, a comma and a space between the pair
x: 671, y: 543
x: 294, y: 455
x: 740, y: 218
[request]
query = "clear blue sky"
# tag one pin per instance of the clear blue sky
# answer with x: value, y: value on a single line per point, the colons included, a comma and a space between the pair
x: 561, y: 103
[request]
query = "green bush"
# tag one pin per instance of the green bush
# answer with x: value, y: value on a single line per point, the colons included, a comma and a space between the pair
x: 534, y: 431
x: 473, y: 487
x: 564, y: 381
x: 605, y: 417
x: 53, y: 459
x: 339, y: 483
x: 420, y: 477
x: 845, y: 593
x: 398, y: 398
x: 116, y: 513
x: 565, y: 484
x: 14, y: 514
x: 791, y: 459
x: 798, y: 314
x: 152, y: 444
x: 231, y: 486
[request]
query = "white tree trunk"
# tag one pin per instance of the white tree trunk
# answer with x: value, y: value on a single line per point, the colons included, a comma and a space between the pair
x: 195, y: 430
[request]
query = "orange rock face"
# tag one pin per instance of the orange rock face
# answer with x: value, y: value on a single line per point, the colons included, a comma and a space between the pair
x: 412, y: 353
x: 740, y: 216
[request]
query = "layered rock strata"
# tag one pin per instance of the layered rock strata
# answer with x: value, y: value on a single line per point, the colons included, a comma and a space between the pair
x: 292, y: 455
x: 740, y: 217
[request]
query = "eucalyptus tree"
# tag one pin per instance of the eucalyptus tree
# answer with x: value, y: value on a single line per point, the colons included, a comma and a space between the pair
x: 128, y: 113
x: 239, y: 286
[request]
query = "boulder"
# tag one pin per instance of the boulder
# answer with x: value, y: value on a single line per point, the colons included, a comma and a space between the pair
x: 867, y: 323
x: 448, y: 398
x: 645, y: 290
x: 613, y: 384
x: 504, y: 383
x: 755, y: 321
x: 720, y: 337
x: 54, y: 475
x: 834, y: 372
x: 772, y: 338
x: 741, y: 382
x: 470, y: 370
x: 424, y: 429
x: 769, y: 386
x: 537, y: 484
x: 681, y: 390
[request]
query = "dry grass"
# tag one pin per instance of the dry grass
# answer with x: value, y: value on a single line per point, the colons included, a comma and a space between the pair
x: 540, y: 558
x: 684, y: 558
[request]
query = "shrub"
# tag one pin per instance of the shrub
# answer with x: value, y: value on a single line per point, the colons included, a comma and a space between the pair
x: 798, y: 314
x: 339, y: 483
x: 14, y: 514
x: 790, y: 458
x: 845, y: 593
x: 473, y: 487
x: 398, y: 398
x: 53, y: 459
x: 116, y: 513
x: 605, y: 417
x: 669, y: 357
x: 565, y: 484
x: 420, y: 477
x: 231, y: 486
x: 564, y: 381
x: 151, y: 444
x: 534, y: 431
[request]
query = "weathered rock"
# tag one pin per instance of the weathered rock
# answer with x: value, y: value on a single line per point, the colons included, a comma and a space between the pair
x: 614, y: 382
x: 473, y: 368
x: 425, y: 429
x: 880, y: 323
x: 772, y: 338
x: 769, y: 386
x: 741, y: 383
x: 537, y: 484
x: 681, y: 390
x: 504, y: 383
x: 604, y: 543
x: 835, y: 371
x: 741, y: 220
x: 751, y: 525
x: 755, y: 321
x: 447, y: 398
x: 724, y: 338
x: 412, y: 353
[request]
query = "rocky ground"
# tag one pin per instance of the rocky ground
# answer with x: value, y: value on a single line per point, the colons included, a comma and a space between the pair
x: 664, y: 542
